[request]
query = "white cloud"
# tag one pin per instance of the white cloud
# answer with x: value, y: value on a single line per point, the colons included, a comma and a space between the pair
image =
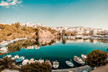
x: 9, y: 3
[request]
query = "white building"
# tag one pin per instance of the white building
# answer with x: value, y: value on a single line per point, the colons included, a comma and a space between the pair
x: 32, y: 25
x: 30, y: 47
x: 4, y: 50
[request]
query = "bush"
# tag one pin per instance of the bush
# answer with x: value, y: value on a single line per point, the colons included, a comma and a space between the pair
x: 96, y: 58
x: 6, y: 63
x: 36, y: 67
x: 9, y: 32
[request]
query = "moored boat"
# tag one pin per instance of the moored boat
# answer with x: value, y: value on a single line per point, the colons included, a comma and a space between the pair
x: 25, y: 62
x: 55, y: 64
x: 9, y: 56
x: 79, y: 60
x: 16, y: 56
x: 48, y: 61
x: 69, y: 63
x: 19, y: 59
x: 12, y: 58
x: 84, y: 57
x: 31, y: 60
x: 41, y: 61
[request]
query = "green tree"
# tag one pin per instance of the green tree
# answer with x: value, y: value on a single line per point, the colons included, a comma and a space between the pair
x: 17, y: 25
x: 96, y: 58
x: 63, y: 32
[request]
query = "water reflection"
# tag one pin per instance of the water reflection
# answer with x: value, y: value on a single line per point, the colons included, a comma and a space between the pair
x: 36, y: 43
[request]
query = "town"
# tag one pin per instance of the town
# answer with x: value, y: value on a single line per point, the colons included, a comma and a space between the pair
x: 78, y: 31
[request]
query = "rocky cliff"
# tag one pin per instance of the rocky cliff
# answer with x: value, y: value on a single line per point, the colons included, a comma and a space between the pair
x: 45, y: 34
x: 45, y: 37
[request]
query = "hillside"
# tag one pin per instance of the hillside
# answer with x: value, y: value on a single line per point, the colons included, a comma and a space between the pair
x: 9, y: 32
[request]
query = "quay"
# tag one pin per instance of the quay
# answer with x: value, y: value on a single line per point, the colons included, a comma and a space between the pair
x: 78, y: 69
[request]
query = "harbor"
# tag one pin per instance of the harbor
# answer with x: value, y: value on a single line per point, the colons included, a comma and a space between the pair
x: 54, y: 64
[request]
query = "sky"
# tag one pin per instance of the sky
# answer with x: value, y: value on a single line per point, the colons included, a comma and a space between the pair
x: 56, y: 13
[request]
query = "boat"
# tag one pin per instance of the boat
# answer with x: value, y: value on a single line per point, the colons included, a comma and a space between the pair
x: 31, y: 60
x: 19, y: 59
x: 16, y: 56
x: 36, y: 60
x: 13, y: 58
x: 55, y: 64
x: 69, y: 63
x: 79, y: 60
x: 41, y: 60
x: 48, y: 61
x: 25, y: 62
x: 9, y: 56
x: 84, y: 57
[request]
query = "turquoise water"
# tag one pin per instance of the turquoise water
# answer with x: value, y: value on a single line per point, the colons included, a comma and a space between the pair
x: 61, y: 52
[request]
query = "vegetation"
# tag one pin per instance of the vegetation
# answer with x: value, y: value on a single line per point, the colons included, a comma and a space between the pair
x: 7, y: 63
x: 96, y: 58
x: 64, y: 33
x: 53, y: 31
x: 9, y: 32
x: 36, y: 67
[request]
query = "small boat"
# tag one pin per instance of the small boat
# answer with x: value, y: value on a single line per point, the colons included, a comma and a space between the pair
x: 55, y: 64
x: 9, y: 56
x: 16, y: 56
x: 84, y: 57
x: 13, y: 58
x: 69, y: 63
x: 79, y: 60
x: 19, y: 59
x: 31, y: 60
x: 48, y: 61
x: 41, y: 61
x: 25, y: 62
x: 36, y: 60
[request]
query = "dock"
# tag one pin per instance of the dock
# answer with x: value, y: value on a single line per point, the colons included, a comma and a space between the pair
x: 78, y: 69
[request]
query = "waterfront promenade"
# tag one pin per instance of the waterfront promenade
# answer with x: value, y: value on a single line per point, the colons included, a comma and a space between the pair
x: 101, y: 69
x: 78, y: 69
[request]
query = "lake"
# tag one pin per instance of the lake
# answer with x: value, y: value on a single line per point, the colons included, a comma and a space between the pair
x: 61, y: 51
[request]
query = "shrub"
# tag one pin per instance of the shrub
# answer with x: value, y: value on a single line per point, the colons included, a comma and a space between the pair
x: 36, y: 67
x: 96, y: 58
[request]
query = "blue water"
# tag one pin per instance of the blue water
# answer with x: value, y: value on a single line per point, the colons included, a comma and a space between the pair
x: 61, y: 52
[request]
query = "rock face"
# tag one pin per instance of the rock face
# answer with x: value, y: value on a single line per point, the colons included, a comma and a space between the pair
x: 45, y: 34
x: 45, y: 37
